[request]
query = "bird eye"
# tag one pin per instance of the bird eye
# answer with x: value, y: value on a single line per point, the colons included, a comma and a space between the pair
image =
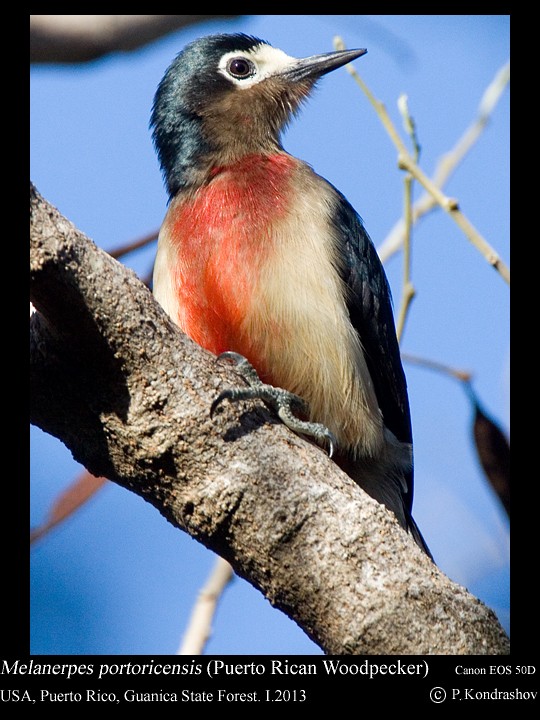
x: 241, y: 67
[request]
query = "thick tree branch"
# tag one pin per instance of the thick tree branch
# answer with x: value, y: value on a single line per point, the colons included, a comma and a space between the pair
x: 81, y: 38
x: 129, y: 394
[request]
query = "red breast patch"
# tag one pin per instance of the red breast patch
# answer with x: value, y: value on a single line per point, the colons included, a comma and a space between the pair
x: 222, y: 236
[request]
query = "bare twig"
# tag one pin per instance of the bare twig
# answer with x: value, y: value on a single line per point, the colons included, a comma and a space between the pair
x: 463, y: 375
x: 406, y: 162
x: 134, y: 245
x: 79, y: 492
x: 451, y: 206
x: 449, y: 161
x: 408, y: 290
x: 200, y: 624
x: 488, y: 102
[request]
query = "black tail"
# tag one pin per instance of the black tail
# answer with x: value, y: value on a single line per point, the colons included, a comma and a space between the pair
x: 412, y: 527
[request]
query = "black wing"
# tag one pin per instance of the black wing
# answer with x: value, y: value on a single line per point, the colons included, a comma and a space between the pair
x: 369, y: 303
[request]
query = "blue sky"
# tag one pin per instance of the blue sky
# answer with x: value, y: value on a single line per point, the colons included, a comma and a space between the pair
x: 117, y: 578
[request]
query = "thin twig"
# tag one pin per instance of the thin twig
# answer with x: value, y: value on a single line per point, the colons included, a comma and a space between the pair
x: 451, y: 206
x: 408, y: 291
x: 450, y: 161
x: 68, y: 501
x: 200, y: 624
x: 405, y: 162
x: 489, y: 100
x: 462, y: 375
x: 134, y: 245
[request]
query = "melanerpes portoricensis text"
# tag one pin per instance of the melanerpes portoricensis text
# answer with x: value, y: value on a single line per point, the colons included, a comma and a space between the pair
x: 261, y: 257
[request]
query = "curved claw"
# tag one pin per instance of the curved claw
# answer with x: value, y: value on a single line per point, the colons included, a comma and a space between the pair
x: 231, y: 355
x: 220, y: 398
x: 279, y: 400
x: 332, y: 443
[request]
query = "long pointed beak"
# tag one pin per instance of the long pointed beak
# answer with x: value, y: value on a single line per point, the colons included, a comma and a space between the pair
x: 317, y: 65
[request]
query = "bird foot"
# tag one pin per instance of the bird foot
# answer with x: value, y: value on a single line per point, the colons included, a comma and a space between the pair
x: 281, y: 401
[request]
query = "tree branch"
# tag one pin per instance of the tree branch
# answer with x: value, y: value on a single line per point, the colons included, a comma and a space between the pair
x: 129, y: 394
x: 82, y: 38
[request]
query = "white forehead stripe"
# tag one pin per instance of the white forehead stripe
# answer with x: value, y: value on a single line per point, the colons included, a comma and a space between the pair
x: 267, y: 60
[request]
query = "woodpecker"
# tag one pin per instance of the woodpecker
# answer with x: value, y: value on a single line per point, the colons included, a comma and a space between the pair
x: 261, y: 258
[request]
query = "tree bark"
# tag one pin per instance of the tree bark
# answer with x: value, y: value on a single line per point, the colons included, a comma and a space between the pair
x: 129, y: 395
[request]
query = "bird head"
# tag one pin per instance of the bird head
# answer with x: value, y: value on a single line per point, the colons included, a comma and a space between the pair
x: 225, y: 96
